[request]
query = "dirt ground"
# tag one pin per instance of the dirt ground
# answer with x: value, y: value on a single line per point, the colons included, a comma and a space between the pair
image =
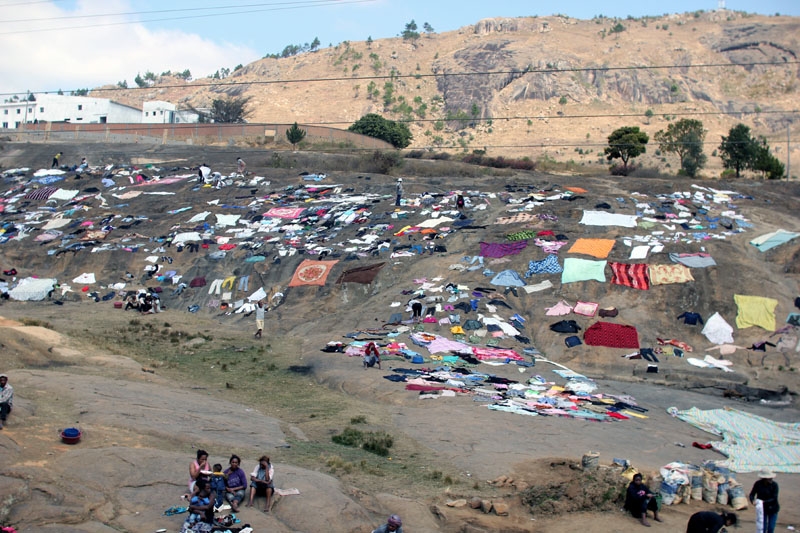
x: 145, y: 407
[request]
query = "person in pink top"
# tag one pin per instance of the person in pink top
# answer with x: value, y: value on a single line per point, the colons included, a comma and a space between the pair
x: 198, y: 465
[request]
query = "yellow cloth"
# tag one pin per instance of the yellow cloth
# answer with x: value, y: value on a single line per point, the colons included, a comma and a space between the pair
x: 599, y: 248
x: 755, y: 311
x: 665, y: 274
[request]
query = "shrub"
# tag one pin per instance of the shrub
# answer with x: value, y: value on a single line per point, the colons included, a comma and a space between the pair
x: 349, y: 437
x: 441, y: 156
x: 373, y: 442
x: 378, y: 443
x: 382, y: 162
x: 415, y: 154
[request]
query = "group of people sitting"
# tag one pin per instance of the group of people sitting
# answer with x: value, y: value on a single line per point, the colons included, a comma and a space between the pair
x: 210, y: 487
x: 144, y: 302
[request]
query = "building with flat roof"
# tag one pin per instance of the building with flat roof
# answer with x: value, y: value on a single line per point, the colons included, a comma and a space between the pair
x: 159, y: 112
x: 88, y: 110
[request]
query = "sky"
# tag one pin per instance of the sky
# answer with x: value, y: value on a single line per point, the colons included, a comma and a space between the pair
x: 72, y: 44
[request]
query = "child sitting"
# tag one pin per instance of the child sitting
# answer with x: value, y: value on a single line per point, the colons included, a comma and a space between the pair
x: 200, y: 509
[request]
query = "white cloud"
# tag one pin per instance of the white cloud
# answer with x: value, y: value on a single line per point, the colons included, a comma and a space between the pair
x: 91, y: 53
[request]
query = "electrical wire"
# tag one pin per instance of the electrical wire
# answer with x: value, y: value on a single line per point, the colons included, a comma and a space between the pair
x: 392, y: 76
x: 320, y: 3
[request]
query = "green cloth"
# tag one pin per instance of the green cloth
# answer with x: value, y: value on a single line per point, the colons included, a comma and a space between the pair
x: 576, y: 269
x: 755, y: 311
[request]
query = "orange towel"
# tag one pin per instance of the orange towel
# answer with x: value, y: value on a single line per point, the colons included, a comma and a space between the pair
x: 576, y: 190
x: 599, y: 248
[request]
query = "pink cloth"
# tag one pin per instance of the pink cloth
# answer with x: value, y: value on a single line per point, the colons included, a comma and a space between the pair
x: 561, y: 308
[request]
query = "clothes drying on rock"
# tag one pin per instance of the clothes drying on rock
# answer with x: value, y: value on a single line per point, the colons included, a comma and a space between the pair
x: 611, y: 335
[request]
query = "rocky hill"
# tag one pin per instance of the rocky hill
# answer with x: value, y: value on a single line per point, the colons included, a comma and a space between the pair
x: 536, y: 86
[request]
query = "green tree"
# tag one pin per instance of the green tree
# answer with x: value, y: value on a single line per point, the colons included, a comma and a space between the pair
x: 230, y: 110
x: 562, y: 100
x: 139, y: 81
x: 388, y: 94
x: 295, y: 135
x: 738, y: 149
x: 122, y: 84
x: 374, y: 125
x: 428, y: 28
x: 649, y: 114
x: 684, y: 138
x: 314, y: 44
x: 626, y: 143
x: 369, y: 41
x: 237, y: 67
x: 31, y: 97
x: 80, y: 92
x: 410, y: 33
x: 767, y: 163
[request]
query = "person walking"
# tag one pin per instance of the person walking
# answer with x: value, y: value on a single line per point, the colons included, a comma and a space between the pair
x: 56, y: 160
x: 765, y: 490
x: 240, y: 166
x: 399, y: 191
x: 6, y: 399
x: 259, y: 319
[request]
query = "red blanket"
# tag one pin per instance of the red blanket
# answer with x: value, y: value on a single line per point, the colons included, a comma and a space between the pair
x: 611, y: 335
x: 634, y: 275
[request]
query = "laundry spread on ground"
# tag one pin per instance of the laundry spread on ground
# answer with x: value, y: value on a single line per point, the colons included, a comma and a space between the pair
x: 599, y: 248
x: 611, y: 335
x: 755, y: 311
x: 601, y: 218
x: 311, y: 273
x: 477, y: 304
x: 770, y: 240
x: 750, y: 442
x: 576, y: 269
x: 630, y: 275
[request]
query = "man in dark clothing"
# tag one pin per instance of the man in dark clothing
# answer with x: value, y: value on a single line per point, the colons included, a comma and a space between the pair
x: 639, y: 500
x: 710, y: 522
x: 766, y: 490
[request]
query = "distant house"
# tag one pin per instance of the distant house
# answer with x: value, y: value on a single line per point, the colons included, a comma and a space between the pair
x: 158, y: 112
x: 87, y: 110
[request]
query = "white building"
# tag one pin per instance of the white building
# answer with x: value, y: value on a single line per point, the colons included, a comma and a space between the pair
x: 158, y: 112
x: 87, y: 110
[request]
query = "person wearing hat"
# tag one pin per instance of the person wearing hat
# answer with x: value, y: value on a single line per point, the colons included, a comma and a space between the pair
x: 710, y: 522
x: 766, y: 490
x: 393, y: 525
x: 399, y: 190
x: 6, y: 399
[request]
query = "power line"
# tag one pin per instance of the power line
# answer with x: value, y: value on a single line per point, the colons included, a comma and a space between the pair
x: 302, y: 3
x: 319, y: 3
x: 26, y: 3
x: 393, y: 76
